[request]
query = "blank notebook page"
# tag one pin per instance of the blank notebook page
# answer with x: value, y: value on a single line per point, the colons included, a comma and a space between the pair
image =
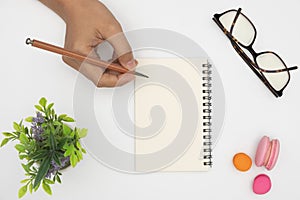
x: 168, y: 115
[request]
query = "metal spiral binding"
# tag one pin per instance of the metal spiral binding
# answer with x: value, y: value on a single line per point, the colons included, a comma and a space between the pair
x: 207, y: 152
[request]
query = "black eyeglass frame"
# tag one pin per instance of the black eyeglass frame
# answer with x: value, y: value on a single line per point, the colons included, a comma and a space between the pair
x: 253, y: 65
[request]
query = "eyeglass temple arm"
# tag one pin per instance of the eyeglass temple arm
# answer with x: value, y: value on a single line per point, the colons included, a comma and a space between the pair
x: 292, y: 68
x: 279, y: 70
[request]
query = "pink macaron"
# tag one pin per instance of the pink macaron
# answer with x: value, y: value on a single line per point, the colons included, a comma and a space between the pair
x: 267, y: 153
x: 262, y: 184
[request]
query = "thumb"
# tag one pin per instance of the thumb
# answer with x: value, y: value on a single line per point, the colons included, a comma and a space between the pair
x: 122, y: 50
x: 127, y: 60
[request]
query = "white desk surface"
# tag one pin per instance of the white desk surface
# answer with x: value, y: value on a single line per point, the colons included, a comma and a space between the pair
x: 251, y: 111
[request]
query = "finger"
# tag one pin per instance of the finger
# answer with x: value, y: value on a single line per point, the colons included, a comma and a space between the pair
x: 71, y: 62
x: 114, y: 80
x: 92, y: 72
x: 126, y: 60
x: 125, y: 78
x: 115, y: 60
x: 99, y: 77
x: 122, y: 48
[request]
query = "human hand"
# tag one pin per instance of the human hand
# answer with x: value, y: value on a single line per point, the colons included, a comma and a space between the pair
x: 88, y: 24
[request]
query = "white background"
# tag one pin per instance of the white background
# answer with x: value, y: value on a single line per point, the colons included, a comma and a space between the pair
x: 26, y: 74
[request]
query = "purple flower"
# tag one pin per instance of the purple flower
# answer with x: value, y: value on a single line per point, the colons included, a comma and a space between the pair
x: 36, y: 128
x: 39, y: 119
x: 37, y: 132
x: 54, y: 168
x: 65, y: 161
x: 50, y: 172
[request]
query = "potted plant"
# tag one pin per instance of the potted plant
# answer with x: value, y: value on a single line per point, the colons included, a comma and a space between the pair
x: 47, y: 146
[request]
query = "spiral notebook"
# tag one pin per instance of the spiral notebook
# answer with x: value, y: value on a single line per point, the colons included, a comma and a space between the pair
x: 173, y: 115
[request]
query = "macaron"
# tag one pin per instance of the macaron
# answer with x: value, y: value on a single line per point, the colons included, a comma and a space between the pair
x: 267, y: 153
x: 242, y: 162
x: 261, y: 184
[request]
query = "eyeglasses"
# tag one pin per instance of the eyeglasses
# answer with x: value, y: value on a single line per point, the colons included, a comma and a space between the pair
x: 268, y: 66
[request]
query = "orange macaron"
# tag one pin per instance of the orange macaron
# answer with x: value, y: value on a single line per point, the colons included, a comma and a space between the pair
x: 242, y: 162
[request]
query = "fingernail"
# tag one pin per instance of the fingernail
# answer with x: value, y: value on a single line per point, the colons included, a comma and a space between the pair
x: 131, y: 64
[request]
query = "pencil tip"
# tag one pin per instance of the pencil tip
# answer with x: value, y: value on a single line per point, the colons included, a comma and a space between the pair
x: 140, y: 74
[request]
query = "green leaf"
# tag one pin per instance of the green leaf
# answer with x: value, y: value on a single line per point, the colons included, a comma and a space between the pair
x: 6, y: 134
x: 58, y: 179
x: 25, y: 180
x: 31, y: 146
x: 39, y: 108
x: 57, y: 123
x: 72, y: 134
x: 34, y: 169
x: 37, y: 187
x: 66, y: 129
x: 52, y: 112
x: 62, y: 143
x: 58, y: 130
x: 47, y: 188
x: 44, y: 167
x: 69, y: 150
x: 48, y: 181
x: 39, y: 155
x: 79, y: 155
x: 60, y: 117
x: 4, y: 142
x: 26, y: 130
x: 30, y: 188
x: 83, y: 150
x: 50, y: 106
x: 26, y: 168
x: 66, y: 146
x: 56, y: 159
x: 52, y: 129
x: 16, y: 126
x: 29, y: 119
x: 22, y: 156
x: 78, y: 145
x: 22, y: 191
x: 73, y: 159
x: 68, y: 119
x: 30, y: 163
x: 82, y: 132
x: 52, y: 141
x: 67, y: 153
x: 20, y: 148
x: 43, y: 102
x: 23, y: 139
